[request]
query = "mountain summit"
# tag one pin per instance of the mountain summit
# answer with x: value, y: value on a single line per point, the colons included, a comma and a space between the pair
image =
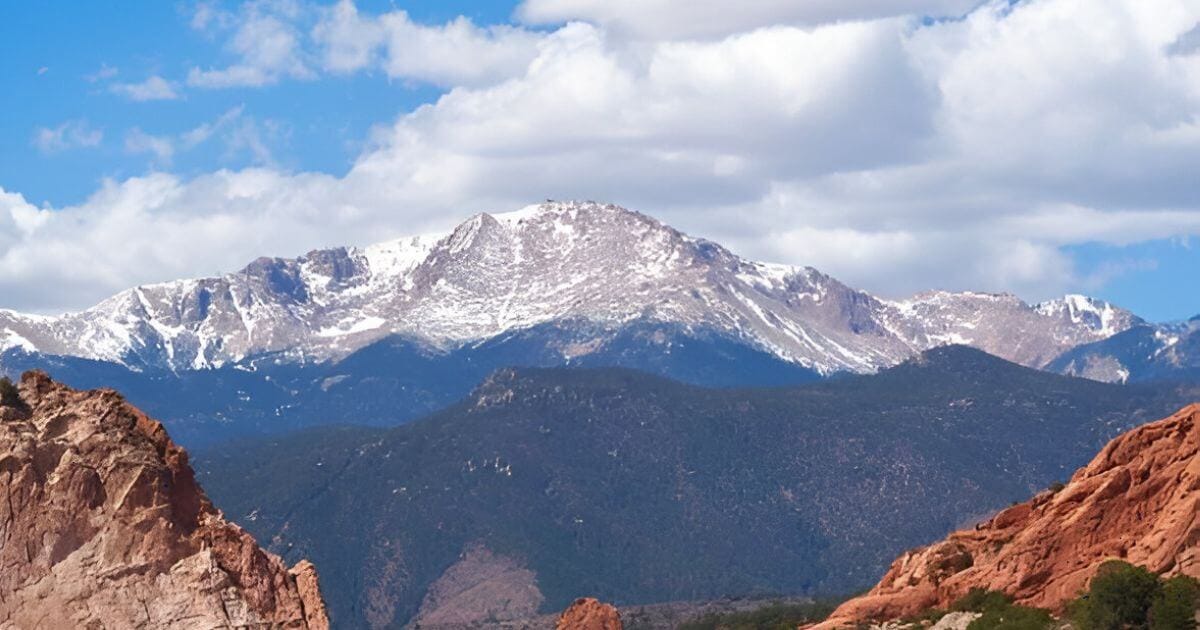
x: 553, y: 262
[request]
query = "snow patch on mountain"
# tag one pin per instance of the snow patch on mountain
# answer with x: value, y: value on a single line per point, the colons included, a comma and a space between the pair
x: 1098, y: 315
x: 568, y: 261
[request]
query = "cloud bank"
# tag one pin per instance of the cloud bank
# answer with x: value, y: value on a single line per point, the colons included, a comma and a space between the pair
x: 895, y: 151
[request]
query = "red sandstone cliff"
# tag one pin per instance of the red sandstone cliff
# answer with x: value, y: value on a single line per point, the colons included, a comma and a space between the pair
x: 102, y: 525
x: 589, y: 614
x: 1137, y: 500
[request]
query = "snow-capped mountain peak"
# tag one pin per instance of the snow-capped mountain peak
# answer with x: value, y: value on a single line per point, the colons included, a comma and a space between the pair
x: 555, y: 261
x: 1098, y: 315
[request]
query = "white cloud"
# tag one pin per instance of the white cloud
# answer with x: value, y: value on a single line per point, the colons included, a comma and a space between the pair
x: 456, y: 53
x: 103, y: 74
x: 203, y: 132
x: 71, y: 134
x: 161, y: 147
x: 240, y: 134
x: 154, y: 88
x: 349, y: 41
x: 673, y: 19
x: 894, y: 154
x: 205, y: 14
x: 18, y: 220
x: 265, y: 40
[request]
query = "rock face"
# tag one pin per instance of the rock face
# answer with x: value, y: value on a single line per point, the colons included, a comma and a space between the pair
x: 104, y: 526
x: 1137, y: 501
x: 589, y: 614
x: 481, y: 587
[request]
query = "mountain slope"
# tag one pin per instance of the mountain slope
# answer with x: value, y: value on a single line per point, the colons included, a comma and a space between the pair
x: 634, y: 489
x: 1136, y: 501
x: 556, y: 262
x: 1167, y: 352
x: 397, y: 379
x: 104, y: 526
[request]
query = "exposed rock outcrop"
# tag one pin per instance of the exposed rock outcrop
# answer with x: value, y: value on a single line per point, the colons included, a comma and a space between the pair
x: 956, y: 621
x: 1137, y: 500
x: 479, y: 590
x: 102, y: 525
x: 589, y: 614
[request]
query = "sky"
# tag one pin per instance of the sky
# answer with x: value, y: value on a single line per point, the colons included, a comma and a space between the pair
x: 1037, y: 147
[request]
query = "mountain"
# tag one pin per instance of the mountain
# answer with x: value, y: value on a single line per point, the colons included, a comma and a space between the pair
x: 395, y: 379
x: 557, y: 483
x: 384, y: 334
x: 555, y: 262
x: 1166, y: 352
x: 104, y: 526
x: 1136, y: 501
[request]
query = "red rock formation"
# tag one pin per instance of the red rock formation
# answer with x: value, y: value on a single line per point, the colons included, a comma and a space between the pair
x: 589, y: 614
x: 102, y: 525
x: 1137, y: 501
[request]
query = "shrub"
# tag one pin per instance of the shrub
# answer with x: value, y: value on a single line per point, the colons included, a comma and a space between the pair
x: 1013, y: 617
x: 1119, y: 596
x: 925, y: 619
x: 770, y: 617
x: 999, y: 613
x: 981, y: 600
x: 1174, y: 608
x: 9, y: 395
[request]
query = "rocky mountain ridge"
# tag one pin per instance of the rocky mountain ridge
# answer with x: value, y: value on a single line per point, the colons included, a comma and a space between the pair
x: 1136, y: 501
x: 553, y: 262
x: 104, y: 526
x: 1143, y: 352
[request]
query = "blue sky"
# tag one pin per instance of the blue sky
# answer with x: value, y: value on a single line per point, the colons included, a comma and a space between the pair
x: 323, y: 124
x: 899, y: 145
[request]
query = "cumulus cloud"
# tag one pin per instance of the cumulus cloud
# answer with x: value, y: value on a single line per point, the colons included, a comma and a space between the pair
x: 675, y: 19
x: 71, y: 134
x: 456, y: 53
x: 893, y: 152
x: 155, y: 88
x: 205, y: 225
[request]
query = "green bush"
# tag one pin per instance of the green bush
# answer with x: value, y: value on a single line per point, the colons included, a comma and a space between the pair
x: 981, y: 600
x: 1119, y: 597
x: 1174, y: 608
x: 769, y: 617
x: 1013, y: 617
x: 999, y: 612
x: 9, y: 395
